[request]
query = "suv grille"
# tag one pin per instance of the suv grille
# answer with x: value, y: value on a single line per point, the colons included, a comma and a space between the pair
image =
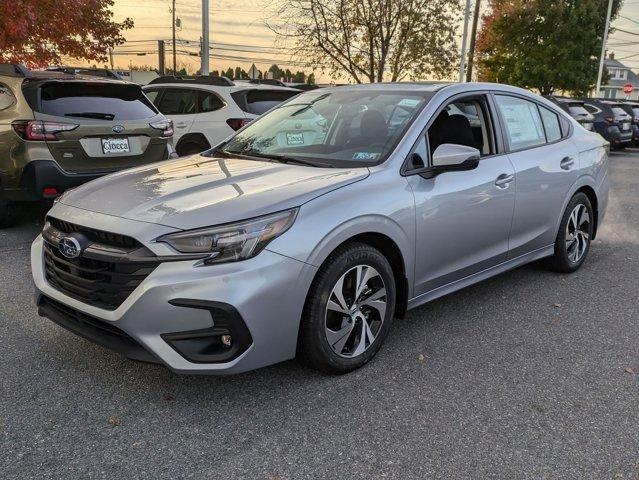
x: 103, y: 275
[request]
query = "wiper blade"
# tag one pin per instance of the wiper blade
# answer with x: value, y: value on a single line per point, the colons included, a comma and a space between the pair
x: 273, y: 157
x: 99, y: 115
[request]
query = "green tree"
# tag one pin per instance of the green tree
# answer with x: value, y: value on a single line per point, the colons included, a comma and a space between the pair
x: 229, y: 73
x: 311, y: 79
x: 546, y: 45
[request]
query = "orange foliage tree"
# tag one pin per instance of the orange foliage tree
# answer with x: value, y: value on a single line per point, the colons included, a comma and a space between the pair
x: 39, y: 32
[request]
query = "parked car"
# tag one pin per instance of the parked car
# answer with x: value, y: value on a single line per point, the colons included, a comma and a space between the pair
x: 207, y: 109
x: 58, y: 131
x: 632, y: 109
x: 574, y: 108
x: 610, y: 121
x: 284, y: 242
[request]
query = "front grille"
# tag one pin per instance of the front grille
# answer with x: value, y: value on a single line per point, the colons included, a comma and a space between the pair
x: 98, y: 236
x: 105, y: 274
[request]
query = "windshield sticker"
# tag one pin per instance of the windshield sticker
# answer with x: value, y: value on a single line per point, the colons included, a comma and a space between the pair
x: 365, y: 156
x: 295, y: 138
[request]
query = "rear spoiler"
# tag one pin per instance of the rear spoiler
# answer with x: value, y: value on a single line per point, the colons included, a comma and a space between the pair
x: 14, y: 70
x: 200, y: 79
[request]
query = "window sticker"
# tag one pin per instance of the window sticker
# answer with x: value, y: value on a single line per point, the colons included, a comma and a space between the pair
x: 365, y: 156
x: 295, y: 138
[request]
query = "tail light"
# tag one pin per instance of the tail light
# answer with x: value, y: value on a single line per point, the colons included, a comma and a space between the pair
x: 39, y: 131
x: 237, y: 123
x: 165, y: 125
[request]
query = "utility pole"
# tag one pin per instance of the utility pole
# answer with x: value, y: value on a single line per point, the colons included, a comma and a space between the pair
x: 473, y: 39
x: 462, y: 61
x: 205, y: 38
x: 161, y: 68
x: 111, y: 57
x: 173, y: 27
x: 603, y: 48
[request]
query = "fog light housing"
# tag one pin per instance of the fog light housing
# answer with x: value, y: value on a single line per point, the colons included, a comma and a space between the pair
x: 226, y: 340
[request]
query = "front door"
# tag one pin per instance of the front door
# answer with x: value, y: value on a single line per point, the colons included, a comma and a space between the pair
x: 463, y: 218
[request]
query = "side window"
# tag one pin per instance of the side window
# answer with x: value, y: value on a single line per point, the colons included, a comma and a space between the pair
x: 463, y: 122
x: 591, y: 109
x: 209, y: 102
x: 7, y: 99
x: 551, y: 124
x: 523, y: 123
x: 153, y: 95
x: 178, y: 101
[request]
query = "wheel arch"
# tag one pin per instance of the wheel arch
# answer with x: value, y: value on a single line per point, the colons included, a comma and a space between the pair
x: 585, y: 185
x: 193, y: 137
x: 392, y: 245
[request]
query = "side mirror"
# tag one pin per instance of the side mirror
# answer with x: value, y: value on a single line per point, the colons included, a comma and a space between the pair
x: 449, y: 154
x: 448, y: 157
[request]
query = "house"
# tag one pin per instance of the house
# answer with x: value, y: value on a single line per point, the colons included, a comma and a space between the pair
x: 619, y: 75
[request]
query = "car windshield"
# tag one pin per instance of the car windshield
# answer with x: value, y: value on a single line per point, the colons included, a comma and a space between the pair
x: 333, y: 129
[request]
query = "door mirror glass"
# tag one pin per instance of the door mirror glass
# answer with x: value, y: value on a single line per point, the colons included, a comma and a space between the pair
x: 450, y: 154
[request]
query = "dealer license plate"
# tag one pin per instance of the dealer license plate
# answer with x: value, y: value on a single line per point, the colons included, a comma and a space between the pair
x: 115, y: 145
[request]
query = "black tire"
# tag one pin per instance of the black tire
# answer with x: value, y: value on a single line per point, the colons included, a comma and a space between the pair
x: 190, y: 149
x: 314, y: 348
x: 8, y: 214
x: 561, y: 260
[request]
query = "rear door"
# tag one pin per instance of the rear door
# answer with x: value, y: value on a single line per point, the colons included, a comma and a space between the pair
x: 180, y: 105
x: 546, y: 165
x: 112, y: 125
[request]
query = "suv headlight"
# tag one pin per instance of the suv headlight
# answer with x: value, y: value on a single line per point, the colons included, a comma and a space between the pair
x: 234, y: 241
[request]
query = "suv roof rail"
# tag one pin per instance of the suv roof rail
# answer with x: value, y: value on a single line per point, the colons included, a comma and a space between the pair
x: 14, y: 70
x: 266, y: 81
x: 199, y: 79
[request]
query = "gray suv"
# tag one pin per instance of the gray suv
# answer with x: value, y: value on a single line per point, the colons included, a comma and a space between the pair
x: 310, y: 229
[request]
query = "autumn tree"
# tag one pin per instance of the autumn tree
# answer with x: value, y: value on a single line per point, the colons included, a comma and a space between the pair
x: 372, y: 40
x: 547, y: 45
x: 40, y: 32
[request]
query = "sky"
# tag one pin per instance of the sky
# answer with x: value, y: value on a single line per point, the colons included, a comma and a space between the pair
x: 241, y: 36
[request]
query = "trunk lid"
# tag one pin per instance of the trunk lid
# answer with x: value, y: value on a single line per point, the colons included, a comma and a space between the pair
x: 113, y: 125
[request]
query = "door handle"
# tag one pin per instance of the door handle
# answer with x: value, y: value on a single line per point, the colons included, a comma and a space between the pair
x: 566, y: 163
x: 504, y: 180
x: 180, y: 125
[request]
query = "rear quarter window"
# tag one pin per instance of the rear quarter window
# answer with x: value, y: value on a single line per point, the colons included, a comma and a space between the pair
x: 90, y: 100
x: 260, y: 101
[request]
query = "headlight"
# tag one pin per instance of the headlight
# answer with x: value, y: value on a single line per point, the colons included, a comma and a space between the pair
x: 234, y: 241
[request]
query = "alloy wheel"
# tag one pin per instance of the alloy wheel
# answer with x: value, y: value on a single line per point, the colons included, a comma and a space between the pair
x: 355, y: 311
x: 577, y: 233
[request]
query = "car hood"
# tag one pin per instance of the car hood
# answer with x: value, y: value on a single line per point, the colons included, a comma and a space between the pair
x: 198, y: 191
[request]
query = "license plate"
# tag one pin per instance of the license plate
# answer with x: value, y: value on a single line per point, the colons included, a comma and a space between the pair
x: 295, y: 138
x: 626, y: 126
x: 115, y: 145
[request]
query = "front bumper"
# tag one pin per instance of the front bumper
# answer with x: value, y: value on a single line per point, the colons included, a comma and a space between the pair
x: 267, y: 292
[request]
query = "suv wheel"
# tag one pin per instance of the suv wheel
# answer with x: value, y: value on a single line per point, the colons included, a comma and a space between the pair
x: 8, y: 215
x: 349, y: 309
x: 574, y: 236
x: 190, y: 148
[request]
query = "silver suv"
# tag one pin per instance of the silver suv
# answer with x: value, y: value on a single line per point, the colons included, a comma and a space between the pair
x: 311, y: 228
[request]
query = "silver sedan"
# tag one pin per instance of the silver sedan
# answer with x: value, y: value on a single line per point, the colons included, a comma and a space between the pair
x: 308, y: 231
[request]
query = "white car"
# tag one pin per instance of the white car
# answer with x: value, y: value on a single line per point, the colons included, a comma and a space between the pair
x: 207, y: 109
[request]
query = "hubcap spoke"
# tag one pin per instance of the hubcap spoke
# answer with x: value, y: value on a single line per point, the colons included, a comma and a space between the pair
x: 577, y: 233
x: 349, y: 330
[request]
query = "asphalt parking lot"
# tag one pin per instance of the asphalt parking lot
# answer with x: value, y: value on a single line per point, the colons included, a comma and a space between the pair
x: 527, y: 375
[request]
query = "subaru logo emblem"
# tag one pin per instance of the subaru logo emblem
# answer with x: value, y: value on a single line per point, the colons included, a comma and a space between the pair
x: 118, y: 129
x: 69, y: 247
